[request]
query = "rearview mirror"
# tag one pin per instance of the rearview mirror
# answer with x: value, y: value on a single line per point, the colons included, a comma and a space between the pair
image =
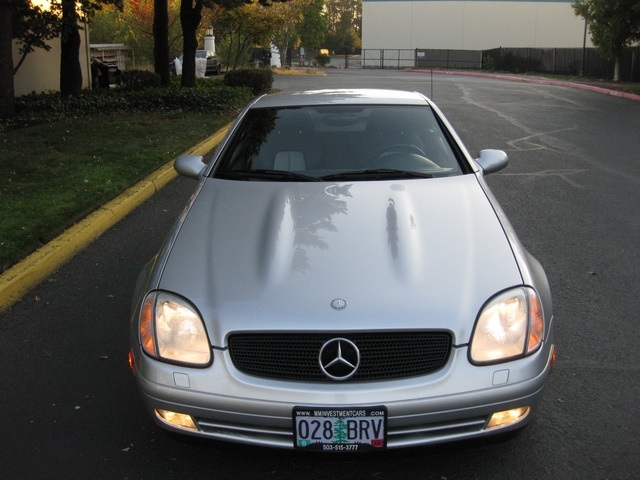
x: 189, y: 166
x: 492, y: 161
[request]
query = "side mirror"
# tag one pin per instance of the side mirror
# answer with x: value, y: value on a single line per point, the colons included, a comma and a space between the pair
x: 492, y: 161
x: 189, y: 166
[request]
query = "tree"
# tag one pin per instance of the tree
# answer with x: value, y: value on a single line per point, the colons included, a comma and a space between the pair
x: 72, y: 14
x: 614, y: 26
x: 314, y: 24
x: 70, y: 70
x: 241, y: 28
x: 135, y: 25
x: 161, y: 40
x: 345, y: 25
x: 287, y: 17
x: 31, y: 27
x: 190, y: 16
x: 7, y: 103
x: 110, y: 25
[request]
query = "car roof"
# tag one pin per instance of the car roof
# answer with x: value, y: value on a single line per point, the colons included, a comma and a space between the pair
x: 341, y: 97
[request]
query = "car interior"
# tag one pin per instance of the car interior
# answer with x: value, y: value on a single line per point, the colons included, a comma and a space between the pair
x: 325, y: 140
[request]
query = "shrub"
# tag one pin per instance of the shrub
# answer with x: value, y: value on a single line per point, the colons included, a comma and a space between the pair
x: 323, y: 59
x: 140, y: 79
x: 488, y: 63
x: 259, y: 80
x: 516, y: 64
x: 201, y: 82
x: 204, y: 100
x: 211, y: 97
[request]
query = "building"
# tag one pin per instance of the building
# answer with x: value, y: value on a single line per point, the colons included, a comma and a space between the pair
x: 40, y: 71
x: 470, y: 24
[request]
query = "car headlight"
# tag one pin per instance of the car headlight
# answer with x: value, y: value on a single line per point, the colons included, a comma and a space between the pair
x: 510, y: 325
x: 172, y: 330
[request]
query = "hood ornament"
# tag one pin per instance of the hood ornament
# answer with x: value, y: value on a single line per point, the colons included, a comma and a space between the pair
x: 338, y: 304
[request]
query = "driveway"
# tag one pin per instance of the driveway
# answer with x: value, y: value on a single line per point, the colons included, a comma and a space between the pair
x: 572, y: 192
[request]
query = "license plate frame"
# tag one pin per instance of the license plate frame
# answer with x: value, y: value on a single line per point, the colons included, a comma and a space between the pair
x: 340, y: 429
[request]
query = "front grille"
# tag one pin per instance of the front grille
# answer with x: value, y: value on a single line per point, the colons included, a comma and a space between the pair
x: 383, y: 355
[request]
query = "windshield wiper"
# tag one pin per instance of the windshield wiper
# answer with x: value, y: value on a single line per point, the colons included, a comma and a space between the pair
x: 259, y: 174
x: 376, y: 174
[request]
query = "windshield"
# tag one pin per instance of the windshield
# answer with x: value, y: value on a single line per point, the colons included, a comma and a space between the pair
x: 338, y: 142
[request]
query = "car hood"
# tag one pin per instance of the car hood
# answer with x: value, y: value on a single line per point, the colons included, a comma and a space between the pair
x: 410, y: 254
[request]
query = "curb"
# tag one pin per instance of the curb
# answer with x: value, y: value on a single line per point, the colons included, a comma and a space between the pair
x: 537, y: 81
x: 25, y: 275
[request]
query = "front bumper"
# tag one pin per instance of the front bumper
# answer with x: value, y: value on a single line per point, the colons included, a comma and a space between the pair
x: 453, y: 404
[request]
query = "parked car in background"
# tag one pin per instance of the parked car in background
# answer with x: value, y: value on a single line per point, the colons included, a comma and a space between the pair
x: 213, y: 63
x: 341, y: 280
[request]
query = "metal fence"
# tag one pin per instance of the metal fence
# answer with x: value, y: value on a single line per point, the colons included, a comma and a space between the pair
x: 388, y: 58
x: 421, y: 58
x: 470, y: 59
x: 564, y: 61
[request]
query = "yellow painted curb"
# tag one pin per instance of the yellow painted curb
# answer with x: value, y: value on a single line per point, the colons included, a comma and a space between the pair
x: 31, y: 271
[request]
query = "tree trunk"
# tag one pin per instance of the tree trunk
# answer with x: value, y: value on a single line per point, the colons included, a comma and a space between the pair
x: 161, y: 40
x: 190, y: 16
x: 282, y: 44
x: 7, y: 94
x: 70, y: 71
x: 616, y: 70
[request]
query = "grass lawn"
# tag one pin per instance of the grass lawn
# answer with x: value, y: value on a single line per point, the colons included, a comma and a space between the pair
x: 54, y: 174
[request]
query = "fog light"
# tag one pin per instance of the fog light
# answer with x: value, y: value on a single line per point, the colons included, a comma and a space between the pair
x: 176, y: 419
x: 508, y: 417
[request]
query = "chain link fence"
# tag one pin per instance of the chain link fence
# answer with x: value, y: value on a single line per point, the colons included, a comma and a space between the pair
x: 561, y: 61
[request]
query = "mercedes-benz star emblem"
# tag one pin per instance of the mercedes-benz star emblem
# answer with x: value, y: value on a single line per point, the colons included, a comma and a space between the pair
x: 338, y: 304
x: 339, y: 358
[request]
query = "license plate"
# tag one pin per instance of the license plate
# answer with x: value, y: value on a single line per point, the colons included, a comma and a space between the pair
x: 340, y: 429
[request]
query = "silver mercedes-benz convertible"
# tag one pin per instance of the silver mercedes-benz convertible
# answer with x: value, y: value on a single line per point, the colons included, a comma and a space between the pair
x: 342, y: 280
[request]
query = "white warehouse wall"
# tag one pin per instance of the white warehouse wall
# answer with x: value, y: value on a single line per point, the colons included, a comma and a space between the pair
x: 470, y: 24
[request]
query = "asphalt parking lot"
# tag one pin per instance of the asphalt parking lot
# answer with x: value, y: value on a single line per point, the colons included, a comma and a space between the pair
x: 571, y: 192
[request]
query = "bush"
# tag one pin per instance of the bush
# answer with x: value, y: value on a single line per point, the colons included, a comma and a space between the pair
x: 259, y: 80
x: 204, y: 100
x: 323, y: 59
x: 201, y: 82
x: 488, y: 63
x: 516, y: 64
x: 140, y: 79
x: 207, y: 97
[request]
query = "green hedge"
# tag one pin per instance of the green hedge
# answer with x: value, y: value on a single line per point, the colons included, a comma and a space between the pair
x: 259, y: 80
x: 140, y: 80
x: 323, y: 59
x: 207, y: 97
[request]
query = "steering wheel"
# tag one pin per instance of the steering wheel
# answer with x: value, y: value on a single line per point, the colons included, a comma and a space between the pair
x: 402, y: 148
x: 406, y: 157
